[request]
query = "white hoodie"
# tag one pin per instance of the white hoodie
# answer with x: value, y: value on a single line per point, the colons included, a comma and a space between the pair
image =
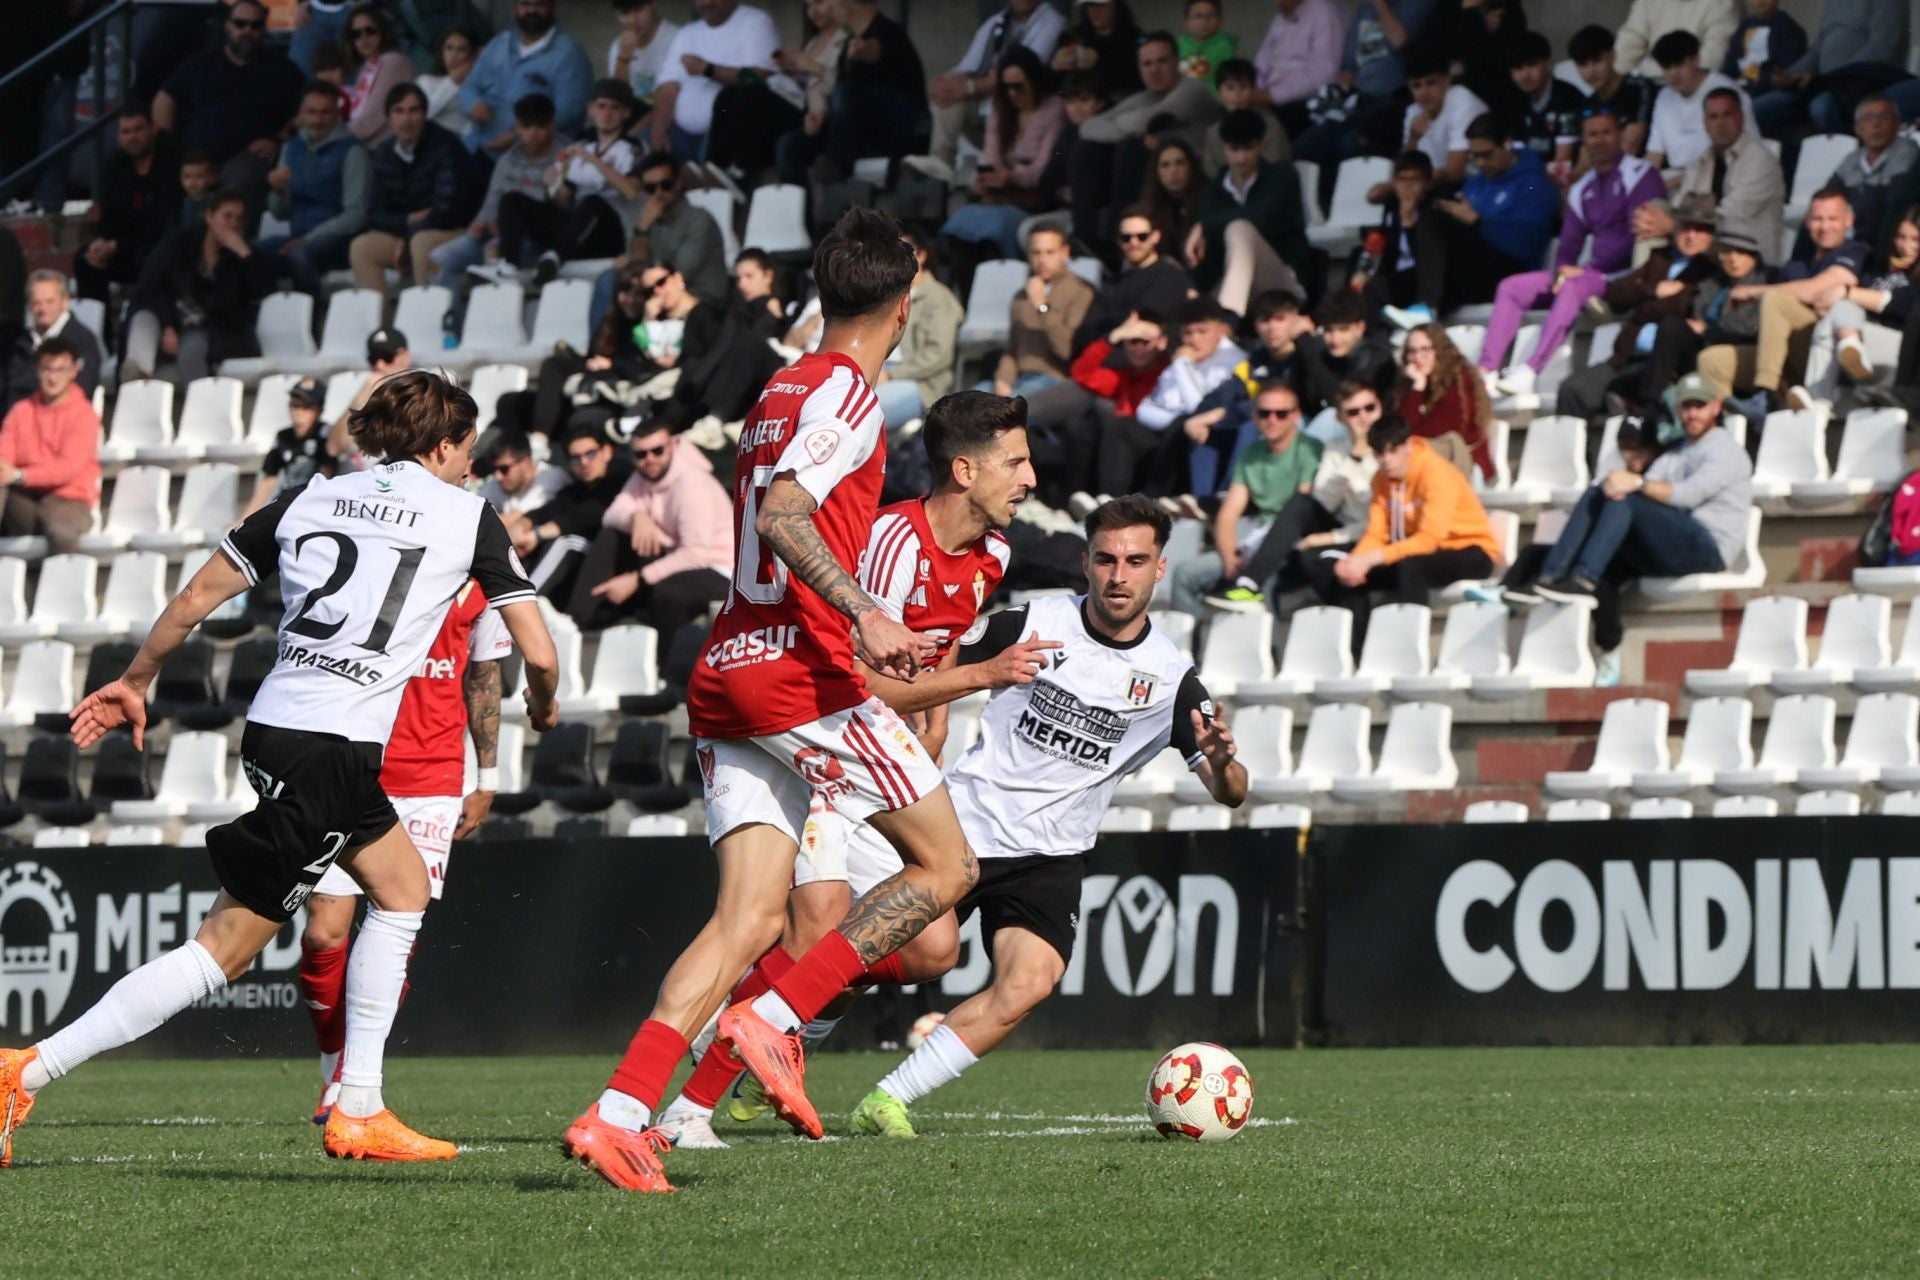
x: 1185, y: 383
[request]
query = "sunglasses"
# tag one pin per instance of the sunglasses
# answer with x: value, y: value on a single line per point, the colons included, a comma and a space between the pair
x: 1276, y: 413
x: 1135, y: 237
x: 655, y: 188
x: 503, y: 468
x: 640, y: 287
x: 656, y: 451
x: 1360, y: 411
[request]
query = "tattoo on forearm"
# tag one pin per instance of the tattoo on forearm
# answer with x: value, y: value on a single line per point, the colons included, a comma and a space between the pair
x: 791, y: 534
x: 894, y: 913
x: 483, y: 711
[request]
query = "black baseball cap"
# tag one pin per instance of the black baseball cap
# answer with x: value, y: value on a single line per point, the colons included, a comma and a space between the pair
x: 307, y: 391
x: 385, y: 343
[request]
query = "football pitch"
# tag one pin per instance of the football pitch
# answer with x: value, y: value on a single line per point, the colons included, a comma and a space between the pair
x: 1789, y: 1161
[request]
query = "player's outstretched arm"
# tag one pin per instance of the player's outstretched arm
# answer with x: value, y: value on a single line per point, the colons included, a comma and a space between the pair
x: 1223, y: 776
x: 482, y: 690
x: 1016, y: 664
x: 535, y: 643
x: 124, y: 701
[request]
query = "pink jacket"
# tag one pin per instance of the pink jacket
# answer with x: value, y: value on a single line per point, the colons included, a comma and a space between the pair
x: 693, y: 510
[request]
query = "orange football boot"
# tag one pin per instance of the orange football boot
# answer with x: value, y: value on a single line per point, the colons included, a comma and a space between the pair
x: 380, y: 1137
x: 628, y: 1159
x: 777, y: 1061
x: 15, y: 1101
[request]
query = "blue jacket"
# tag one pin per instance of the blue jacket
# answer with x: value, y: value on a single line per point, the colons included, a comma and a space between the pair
x: 326, y: 198
x: 501, y: 77
x: 1519, y: 209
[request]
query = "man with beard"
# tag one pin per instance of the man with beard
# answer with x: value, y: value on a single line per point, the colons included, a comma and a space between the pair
x: 138, y: 204
x: 535, y: 57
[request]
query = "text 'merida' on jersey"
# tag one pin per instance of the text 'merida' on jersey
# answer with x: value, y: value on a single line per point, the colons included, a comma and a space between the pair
x: 368, y: 564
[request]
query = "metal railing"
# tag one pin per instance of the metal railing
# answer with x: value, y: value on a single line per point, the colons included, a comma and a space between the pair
x: 105, y: 107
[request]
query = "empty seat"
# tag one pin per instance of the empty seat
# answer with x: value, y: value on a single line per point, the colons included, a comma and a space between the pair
x: 1239, y: 649
x: 1651, y: 807
x: 136, y: 593
x: 268, y: 418
x: 1773, y: 638
x: 627, y: 662
x: 62, y: 838
x: 1719, y: 736
x: 563, y: 771
x: 777, y: 220
x: 142, y: 419
x: 1746, y: 807
x: 1827, y: 804
x: 1319, y: 647
x: 193, y: 770
x: 210, y: 416
x: 989, y: 303
x: 342, y: 388
x: 1746, y: 572
x: 1904, y: 803
x: 1264, y: 738
x: 1793, y: 451
x: 1474, y: 643
x: 562, y: 315
x: 1799, y: 736
x: 1600, y: 341
x: 1554, y: 654
x: 1176, y: 627
x: 352, y: 314
x: 50, y: 781
x: 209, y: 504
x: 1396, y: 646
x: 64, y: 595
x: 1553, y: 456
x: 1856, y: 637
x: 1291, y: 816
x: 184, y: 688
x: 121, y: 772
x: 514, y: 797
x: 1414, y: 756
x: 1336, y: 746
x: 284, y: 329
x: 138, y: 506
x: 493, y: 329
x: 566, y: 644
x: 137, y: 834
x: 640, y: 770
x: 1200, y: 817
x: 42, y: 682
x: 1633, y: 739
x: 1350, y: 211
x: 1120, y: 818
x: 720, y: 205
x: 1468, y: 339
x: 1906, y: 667
x: 1579, y: 811
x: 252, y: 660
x: 1489, y: 811
x: 421, y: 317
x: 1873, y: 458
x: 683, y: 651
x: 648, y: 825
x: 491, y: 381
x: 1308, y: 171
x: 1157, y: 777
x: 13, y: 591
x: 1883, y: 746
x: 1820, y: 154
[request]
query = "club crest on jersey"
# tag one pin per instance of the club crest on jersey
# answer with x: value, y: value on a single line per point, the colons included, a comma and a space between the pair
x: 704, y: 757
x: 1140, y: 687
x: 979, y: 589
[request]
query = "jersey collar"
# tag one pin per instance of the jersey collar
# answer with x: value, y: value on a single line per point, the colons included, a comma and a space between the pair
x: 1087, y: 625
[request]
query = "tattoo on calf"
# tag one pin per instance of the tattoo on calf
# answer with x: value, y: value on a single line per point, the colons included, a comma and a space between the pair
x: 888, y: 918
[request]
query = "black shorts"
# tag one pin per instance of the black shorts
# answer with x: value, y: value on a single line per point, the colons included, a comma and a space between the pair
x: 320, y: 797
x: 1038, y: 892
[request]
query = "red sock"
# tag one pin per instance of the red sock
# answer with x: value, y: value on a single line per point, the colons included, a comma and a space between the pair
x: 820, y: 976
x: 887, y: 971
x: 323, y: 984
x: 767, y: 970
x: 649, y: 1062
x: 717, y: 1071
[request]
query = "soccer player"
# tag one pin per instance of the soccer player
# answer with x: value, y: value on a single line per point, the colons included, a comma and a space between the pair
x: 777, y: 710
x: 369, y: 563
x: 1031, y: 790
x: 930, y: 563
x: 456, y: 690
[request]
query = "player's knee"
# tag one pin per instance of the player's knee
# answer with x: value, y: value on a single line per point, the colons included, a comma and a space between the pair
x: 1023, y: 993
x: 322, y: 935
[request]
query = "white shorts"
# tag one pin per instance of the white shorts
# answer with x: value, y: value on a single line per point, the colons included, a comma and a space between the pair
x: 834, y: 849
x: 862, y: 761
x: 429, y: 822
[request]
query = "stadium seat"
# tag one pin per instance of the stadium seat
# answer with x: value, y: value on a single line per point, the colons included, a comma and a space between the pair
x: 122, y: 772
x: 1176, y: 627
x: 563, y: 770
x: 567, y: 644
x: 50, y: 781
x: 268, y: 418
x: 1600, y: 344
x: 1157, y: 777
x: 1660, y: 807
x: 1905, y: 670
x: 1291, y: 816
x: 421, y: 317
x: 1336, y: 746
x: 136, y: 593
x: 1264, y: 737
x: 963, y: 730
x: 1200, y: 817
x: 239, y: 798
x: 1553, y: 456
x: 777, y: 220
x: 1350, y: 213
x: 649, y: 825
x: 1239, y: 651
x: 561, y: 314
x: 1883, y: 746
x: 194, y: 770
x: 138, y: 506
x: 1309, y: 174
x: 1554, y: 654
x: 1746, y: 572
x: 76, y: 837
x: 989, y: 304
x: 1122, y: 818
x: 1579, y: 811
x: 1799, y: 736
x: 493, y: 328
x: 640, y: 768
x: 1470, y: 339
x: 719, y: 204
x: 1608, y: 460
x: 1719, y: 736
x: 491, y: 381
x: 210, y: 416
x: 13, y: 591
x: 252, y: 660
x: 1820, y: 154
x: 1183, y: 544
x: 1090, y: 269
x: 1746, y: 807
x: 1904, y: 803
x: 514, y: 797
x: 1319, y: 647
x: 352, y: 314
x: 142, y: 419
x: 1414, y: 756
x: 66, y: 594
x: 137, y: 834
x: 1492, y: 811
x: 209, y: 505
x: 228, y: 621
x: 683, y: 651
x: 1856, y: 637
x: 284, y: 328
x: 1773, y: 638
x: 1547, y: 385
x: 1793, y: 451
x: 1473, y: 643
x: 1873, y: 459
x: 1499, y: 447
x: 1827, y: 804
x: 183, y: 692
x: 27, y: 546
x: 42, y: 682
x: 1397, y: 645
x: 1633, y: 739
x: 627, y: 661
x: 342, y: 387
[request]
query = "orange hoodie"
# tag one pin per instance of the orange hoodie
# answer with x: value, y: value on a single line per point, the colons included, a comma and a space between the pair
x: 1433, y: 509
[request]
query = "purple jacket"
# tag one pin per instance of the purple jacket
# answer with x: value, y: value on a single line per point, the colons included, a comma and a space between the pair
x: 1601, y: 205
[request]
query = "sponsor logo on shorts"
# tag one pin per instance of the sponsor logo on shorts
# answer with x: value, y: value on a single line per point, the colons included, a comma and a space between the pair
x: 823, y: 772
x: 703, y: 756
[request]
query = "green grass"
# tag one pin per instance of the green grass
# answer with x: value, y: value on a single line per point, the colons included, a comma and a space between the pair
x: 1783, y: 1161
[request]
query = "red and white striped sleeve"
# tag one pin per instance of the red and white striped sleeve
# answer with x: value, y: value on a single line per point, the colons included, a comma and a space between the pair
x: 890, y: 565
x: 839, y: 428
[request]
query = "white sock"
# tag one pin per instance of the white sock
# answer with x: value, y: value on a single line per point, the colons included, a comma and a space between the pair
x: 133, y: 1006
x: 817, y: 1030
x: 777, y: 1011
x: 329, y: 1067
x: 941, y: 1060
x: 682, y: 1106
x: 625, y: 1110
x: 376, y: 972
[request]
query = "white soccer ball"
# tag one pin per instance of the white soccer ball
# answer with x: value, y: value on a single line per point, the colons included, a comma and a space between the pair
x: 1201, y: 1092
x: 922, y: 1028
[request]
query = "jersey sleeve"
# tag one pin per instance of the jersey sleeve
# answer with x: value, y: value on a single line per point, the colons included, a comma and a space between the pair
x: 488, y: 640
x: 890, y: 565
x: 496, y: 566
x: 254, y: 544
x: 990, y: 635
x: 1193, y: 696
x: 838, y: 430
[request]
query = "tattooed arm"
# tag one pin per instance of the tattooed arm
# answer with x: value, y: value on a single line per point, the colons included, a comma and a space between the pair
x: 785, y: 523
x: 482, y: 689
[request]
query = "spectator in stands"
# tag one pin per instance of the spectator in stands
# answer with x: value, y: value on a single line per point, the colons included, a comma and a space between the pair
x: 723, y: 362
x: 755, y: 298
x: 1391, y: 272
x: 1832, y: 260
x: 535, y: 57
x: 1872, y: 171
x: 1148, y: 280
x: 419, y: 24
x: 1112, y: 374
x: 317, y: 24
x: 1019, y: 174
x: 377, y: 66
x: 1100, y: 44
x: 1203, y: 47
x: 551, y: 538
x: 1171, y: 191
x: 138, y: 204
x: 1110, y: 155
x: 1278, y: 326
x: 920, y: 370
x: 387, y: 354
x: 670, y: 230
x: 877, y: 107
x: 321, y: 190
x: 1299, y: 56
x: 780, y: 118
x: 235, y: 103
x: 608, y: 380
x: 1341, y: 351
x: 425, y: 192
x: 959, y: 97
x: 1425, y: 528
x: 1884, y: 298
x: 1250, y: 230
x: 664, y: 553
x: 299, y: 451
x: 1498, y: 227
x: 585, y: 214
x: 1443, y: 402
x: 50, y: 455
x: 1858, y: 48
x: 49, y: 315
x: 1543, y: 111
x: 1710, y: 22
x: 1764, y: 48
x: 1199, y: 394
x: 1479, y: 42
x: 1045, y: 315
x: 1737, y: 173
x: 1629, y: 97
x: 1237, y: 85
x: 638, y: 54
x: 1436, y: 120
x: 517, y: 482
x: 704, y: 58
x: 521, y: 172
x: 1679, y: 132
x: 1600, y: 209
x: 458, y: 51
x: 1270, y: 473
x: 197, y: 296
x: 1370, y: 85
x: 1687, y: 514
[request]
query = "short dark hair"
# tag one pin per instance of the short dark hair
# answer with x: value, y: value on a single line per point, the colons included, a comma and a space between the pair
x: 1426, y: 61
x: 862, y: 264
x: 1242, y: 128
x: 1831, y: 192
x: 1130, y: 511
x: 319, y: 89
x: 758, y: 257
x: 657, y: 160
x: 1728, y: 92
x: 1528, y: 48
x: 1674, y: 48
x: 1161, y: 36
x: 1413, y: 162
x: 922, y: 240
x: 628, y: 6
x: 1351, y: 387
x: 223, y: 196
x: 1340, y: 306
x: 587, y: 431
x: 511, y: 444
x: 1601, y: 110
x: 1147, y: 315
x: 197, y: 159
x: 1590, y: 43
x: 1274, y: 302
x: 1188, y: 7
x: 401, y: 92
x: 408, y: 415
x: 138, y: 111
x: 534, y: 110
x: 1137, y: 211
x: 1200, y: 309
x: 963, y: 423
x: 1388, y: 433
x: 1082, y: 84
x: 1237, y: 69
x: 1489, y: 126
x: 57, y: 345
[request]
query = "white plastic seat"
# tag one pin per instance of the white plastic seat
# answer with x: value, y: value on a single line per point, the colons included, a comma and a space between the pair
x: 777, y: 220
x: 142, y: 419
x: 1772, y: 639
x: 1904, y: 803
x: 563, y: 314
x: 1873, y: 459
x: 1799, y: 736
x: 135, y: 833
x: 1600, y: 341
x: 1468, y: 339
x: 1857, y: 636
x: 62, y: 838
x: 42, y: 682
x: 136, y: 593
x: 651, y: 825
x: 1157, y: 777
x: 1473, y: 643
x: 190, y: 561
x: 493, y: 328
x: 65, y: 595
x: 567, y: 646
x: 491, y: 381
x: 627, y: 661
x: 13, y: 591
x: 1827, y: 804
x: 1309, y: 174
x: 1499, y: 448
x: 1264, y: 737
x: 1547, y: 383
x: 1793, y: 451
x: 352, y: 314
x: 1175, y: 626
x: 512, y: 756
x: 1651, y: 807
x: 1906, y: 667
x: 138, y: 506
x: 1492, y: 811
x: 342, y: 387
x: 1397, y: 645
x: 1414, y: 756
x: 1633, y: 739
x: 1746, y: 572
x: 1746, y: 807
x: 269, y: 416
x: 1579, y: 811
x: 1336, y: 746
x: 1121, y: 818
x: 240, y: 799
x: 1350, y: 212
x: 1883, y: 746
x: 284, y: 329
x: 209, y: 503
x: 1090, y: 269
x: 1239, y: 648
x: 1820, y: 155
x: 1554, y: 654
x: 1553, y: 456
x: 194, y: 770
x: 210, y: 416
x: 1200, y: 817
x: 1319, y: 647
x: 990, y: 302
x: 1289, y: 816
x: 1719, y: 736
x: 719, y: 205
x: 421, y: 317
x: 1183, y: 544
